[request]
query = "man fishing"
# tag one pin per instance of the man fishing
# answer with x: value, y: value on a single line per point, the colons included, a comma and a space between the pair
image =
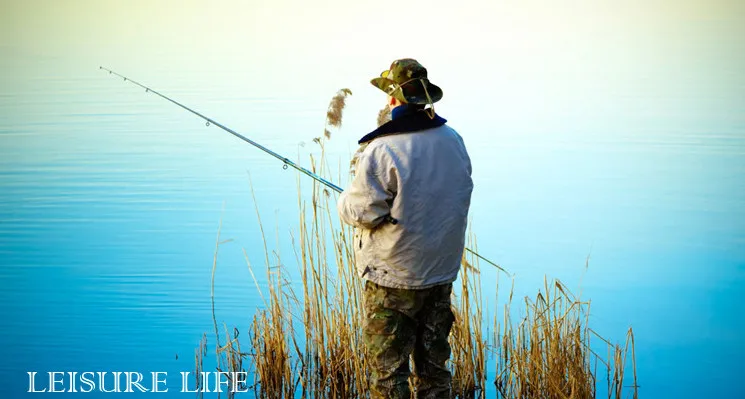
x: 408, y: 202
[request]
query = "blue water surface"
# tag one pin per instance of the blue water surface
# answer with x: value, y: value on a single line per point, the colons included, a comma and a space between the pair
x: 111, y: 199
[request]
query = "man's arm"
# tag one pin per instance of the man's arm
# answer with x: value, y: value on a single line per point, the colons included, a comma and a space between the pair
x: 365, y: 203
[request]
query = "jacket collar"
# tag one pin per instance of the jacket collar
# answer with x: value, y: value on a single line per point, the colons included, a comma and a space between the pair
x: 404, y: 119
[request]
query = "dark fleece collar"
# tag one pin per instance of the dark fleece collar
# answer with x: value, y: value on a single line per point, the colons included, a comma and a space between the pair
x: 405, y: 119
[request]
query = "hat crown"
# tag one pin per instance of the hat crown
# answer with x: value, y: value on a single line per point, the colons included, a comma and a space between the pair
x: 406, y: 69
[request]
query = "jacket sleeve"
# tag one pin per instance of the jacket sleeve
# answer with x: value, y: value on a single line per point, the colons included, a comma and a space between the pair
x: 366, y: 202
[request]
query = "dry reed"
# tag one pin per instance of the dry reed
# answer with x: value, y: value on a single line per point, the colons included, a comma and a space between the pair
x: 384, y: 115
x: 311, y: 346
x: 336, y: 107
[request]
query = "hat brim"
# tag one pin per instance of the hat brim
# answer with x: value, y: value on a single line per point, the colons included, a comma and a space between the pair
x: 418, y: 97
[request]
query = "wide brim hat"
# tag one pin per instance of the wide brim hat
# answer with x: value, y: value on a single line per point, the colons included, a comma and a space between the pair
x: 406, y: 80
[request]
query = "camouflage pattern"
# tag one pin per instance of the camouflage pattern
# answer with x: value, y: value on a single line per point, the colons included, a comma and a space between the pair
x: 407, y: 81
x: 400, y: 324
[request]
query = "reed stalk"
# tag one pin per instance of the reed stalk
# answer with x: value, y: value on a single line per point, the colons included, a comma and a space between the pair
x: 311, y: 346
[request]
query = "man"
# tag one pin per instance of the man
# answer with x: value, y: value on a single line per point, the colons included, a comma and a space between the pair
x: 409, y: 201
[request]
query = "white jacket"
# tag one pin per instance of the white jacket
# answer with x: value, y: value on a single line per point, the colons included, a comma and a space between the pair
x: 423, y: 180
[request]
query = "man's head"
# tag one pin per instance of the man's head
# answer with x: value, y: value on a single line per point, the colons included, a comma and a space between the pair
x: 406, y: 82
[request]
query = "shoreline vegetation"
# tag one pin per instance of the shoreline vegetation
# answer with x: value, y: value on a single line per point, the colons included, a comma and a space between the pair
x: 309, y: 343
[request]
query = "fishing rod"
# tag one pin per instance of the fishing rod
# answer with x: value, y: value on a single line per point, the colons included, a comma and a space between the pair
x: 287, y: 162
x: 210, y: 121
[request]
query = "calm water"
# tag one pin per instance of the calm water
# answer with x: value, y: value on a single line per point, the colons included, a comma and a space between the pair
x: 110, y: 201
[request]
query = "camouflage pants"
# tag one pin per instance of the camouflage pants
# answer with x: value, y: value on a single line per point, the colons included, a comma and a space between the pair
x: 402, y: 323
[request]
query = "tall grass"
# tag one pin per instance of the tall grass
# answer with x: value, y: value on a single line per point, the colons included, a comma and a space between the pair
x: 309, y: 343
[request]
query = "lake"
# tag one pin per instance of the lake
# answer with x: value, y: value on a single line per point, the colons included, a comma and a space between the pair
x: 629, y: 150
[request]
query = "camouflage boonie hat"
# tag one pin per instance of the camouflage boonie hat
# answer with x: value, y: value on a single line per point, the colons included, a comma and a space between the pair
x: 407, y: 81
